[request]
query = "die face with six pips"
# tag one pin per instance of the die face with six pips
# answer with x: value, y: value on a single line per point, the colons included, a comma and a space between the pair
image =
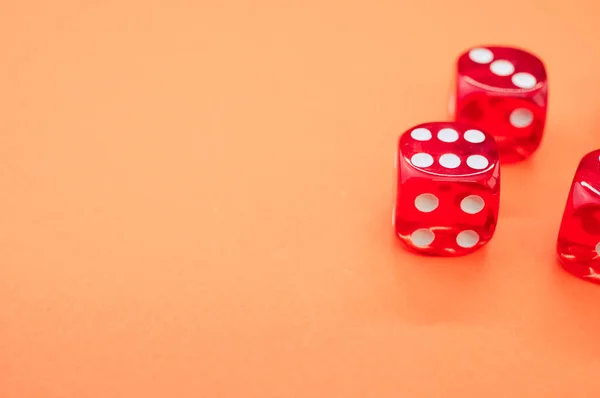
x: 447, y: 184
x: 504, y: 91
x: 447, y: 188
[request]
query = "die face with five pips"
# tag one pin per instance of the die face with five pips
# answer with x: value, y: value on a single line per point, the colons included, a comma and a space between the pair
x: 447, y: 188
x: 504, y: 91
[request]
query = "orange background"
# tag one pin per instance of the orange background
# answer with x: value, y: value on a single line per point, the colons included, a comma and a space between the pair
x: 196, y: 202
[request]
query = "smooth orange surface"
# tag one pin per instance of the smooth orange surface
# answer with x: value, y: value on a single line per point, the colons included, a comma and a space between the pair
x: 196, y: 202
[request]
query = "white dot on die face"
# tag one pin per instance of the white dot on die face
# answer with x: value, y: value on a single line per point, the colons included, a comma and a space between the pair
x: 447, y: 135
x: 521, y: 117
x: 474, y: 136
x: 524, y: 80
x: 598, y: 248
x: 421, y: 134
x: 472, y: 204
x: 467, y: 239
x: 421, y: 160
x: 449, y: 161
x: 502, y: 68
x: 481, y: 55
x: 422, y: 237
x: 477, y: 162
x: 426, y: 202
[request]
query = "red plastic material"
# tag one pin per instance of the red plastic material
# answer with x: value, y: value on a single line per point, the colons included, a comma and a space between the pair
x: 447, y: 188
x: 503, y: 91
x: 578, y: 243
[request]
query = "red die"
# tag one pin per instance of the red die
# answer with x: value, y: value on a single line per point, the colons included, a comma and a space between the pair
x: 503, y: 91
x: 578, y: 243
x: 447, y: 188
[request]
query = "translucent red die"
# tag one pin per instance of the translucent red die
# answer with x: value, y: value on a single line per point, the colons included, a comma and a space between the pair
x: 504, y: 91
x: 447, y: 188
x: 578, y: 242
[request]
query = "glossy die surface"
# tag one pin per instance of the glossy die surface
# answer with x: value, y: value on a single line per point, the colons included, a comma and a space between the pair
x: 503, y: 91
x: 447, y: 189
x: 578, y: 243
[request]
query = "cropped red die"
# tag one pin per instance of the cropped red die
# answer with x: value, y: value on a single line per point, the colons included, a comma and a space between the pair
x: 578, y: 243
x: 503, y: 91
x: 447, y: 188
